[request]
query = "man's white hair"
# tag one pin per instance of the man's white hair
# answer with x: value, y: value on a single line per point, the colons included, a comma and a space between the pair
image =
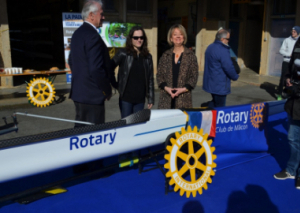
x: 222, y: 33
x: 90, y: 6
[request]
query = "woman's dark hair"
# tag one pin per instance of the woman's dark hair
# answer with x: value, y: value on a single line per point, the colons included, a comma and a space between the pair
x: 129, y: 46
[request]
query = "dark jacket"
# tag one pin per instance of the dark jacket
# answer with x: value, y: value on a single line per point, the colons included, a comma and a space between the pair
x: 90, y: 83
x: 187, y: 77
x: 124, y: 61
x: 292, y: 105
x: 218, y: 69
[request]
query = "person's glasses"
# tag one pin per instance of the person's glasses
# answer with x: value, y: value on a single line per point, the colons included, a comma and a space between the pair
x: 227, y: 39
x: 138, y: 37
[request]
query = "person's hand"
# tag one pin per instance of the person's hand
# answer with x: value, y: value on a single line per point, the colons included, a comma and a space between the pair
x: 150, y: 106
x: 288, y: 82
x: 179, y: 91
x: 108, y: 97
x: 169, y: 91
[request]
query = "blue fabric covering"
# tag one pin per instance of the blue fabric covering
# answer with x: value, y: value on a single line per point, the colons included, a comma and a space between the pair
x: 247, y: 188
x: 237, y: 138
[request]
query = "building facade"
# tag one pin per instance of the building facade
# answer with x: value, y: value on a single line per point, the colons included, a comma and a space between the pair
x: 32, y: 38
x: 258, y: 27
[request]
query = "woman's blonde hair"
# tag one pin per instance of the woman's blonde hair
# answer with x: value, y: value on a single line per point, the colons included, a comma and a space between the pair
x: 181, y: 29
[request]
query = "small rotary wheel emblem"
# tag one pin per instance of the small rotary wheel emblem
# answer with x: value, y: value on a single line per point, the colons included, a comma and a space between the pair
x: 190, y: 161
x: 257, y: 114
x: 40, y: 92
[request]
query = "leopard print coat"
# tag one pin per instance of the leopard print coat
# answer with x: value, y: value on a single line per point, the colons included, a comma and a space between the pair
x: 188, y: 74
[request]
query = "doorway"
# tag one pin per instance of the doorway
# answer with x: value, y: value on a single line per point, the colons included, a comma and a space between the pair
x: 253, y: 36
x: 280, y: 29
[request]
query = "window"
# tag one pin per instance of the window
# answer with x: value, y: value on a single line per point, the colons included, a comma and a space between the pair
x: 235, y: 11
x: 109, y: 5
x: 213, y: 12
x: 138, y: 6
x: 284, y: 7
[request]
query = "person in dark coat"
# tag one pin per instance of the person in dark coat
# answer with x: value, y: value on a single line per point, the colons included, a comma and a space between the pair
x: 90, y: 78
x: 135, y: 76
x: 89, y: 59
x: 218, y: 70
x: 292, y: 107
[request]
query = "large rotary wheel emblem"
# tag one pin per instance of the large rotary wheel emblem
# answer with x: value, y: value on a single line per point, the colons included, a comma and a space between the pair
x: 190, y: 161
x: 257, y: 114
x: 40, y: 92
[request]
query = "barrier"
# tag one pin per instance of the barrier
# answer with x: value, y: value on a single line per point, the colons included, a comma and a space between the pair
x: 242, y: 131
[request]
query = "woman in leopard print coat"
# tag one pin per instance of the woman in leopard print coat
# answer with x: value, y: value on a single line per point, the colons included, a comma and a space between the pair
x: 187, y: 72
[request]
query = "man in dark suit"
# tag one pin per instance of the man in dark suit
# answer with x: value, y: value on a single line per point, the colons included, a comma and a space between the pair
x: 88, y: 61
x: 90, y: 78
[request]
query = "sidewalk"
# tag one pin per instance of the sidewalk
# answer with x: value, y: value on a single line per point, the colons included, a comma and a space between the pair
x: 249, y: 76
x: 17, y: 96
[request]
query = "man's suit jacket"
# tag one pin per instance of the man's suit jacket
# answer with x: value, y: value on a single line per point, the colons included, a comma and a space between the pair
x: 88, y: 56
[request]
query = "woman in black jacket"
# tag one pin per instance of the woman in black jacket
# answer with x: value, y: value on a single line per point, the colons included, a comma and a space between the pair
x: 135, y: 77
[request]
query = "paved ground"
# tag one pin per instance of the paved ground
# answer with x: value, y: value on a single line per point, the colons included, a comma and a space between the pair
x: 250, y: 88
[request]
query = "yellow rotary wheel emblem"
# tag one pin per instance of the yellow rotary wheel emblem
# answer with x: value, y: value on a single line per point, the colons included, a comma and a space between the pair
x: 190, y: 161
x: 257, y: 114
x: 40, y: 92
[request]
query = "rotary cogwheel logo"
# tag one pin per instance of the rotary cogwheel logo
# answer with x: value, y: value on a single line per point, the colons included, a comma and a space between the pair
x: 190, y: 161
x: 257, y: 114
x: 40, y: 92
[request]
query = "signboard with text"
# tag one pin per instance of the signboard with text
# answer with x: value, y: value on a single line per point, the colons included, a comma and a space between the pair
x: 71, y: 21
x: 113, y: 34
x: 241, y: 129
